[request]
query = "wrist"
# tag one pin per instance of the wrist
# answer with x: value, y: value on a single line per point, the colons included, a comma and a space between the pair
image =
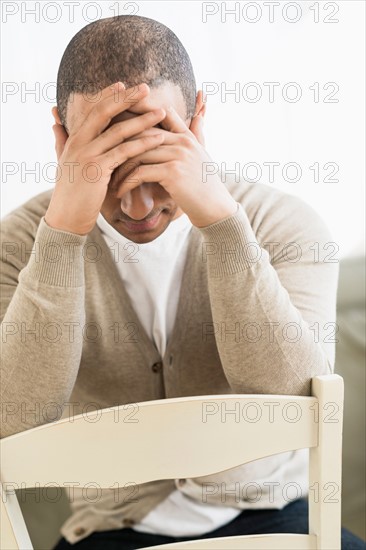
x: 62, y: 226
x: 227, y: 212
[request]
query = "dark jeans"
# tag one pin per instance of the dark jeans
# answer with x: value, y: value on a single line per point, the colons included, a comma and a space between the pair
x: 293, y: 518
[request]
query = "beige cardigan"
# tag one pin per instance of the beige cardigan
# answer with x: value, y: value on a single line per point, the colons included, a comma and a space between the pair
x: 256, y: 314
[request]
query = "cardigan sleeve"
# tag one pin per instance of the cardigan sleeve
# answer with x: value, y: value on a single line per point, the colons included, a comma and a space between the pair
x: 42, y: 297
x: 273, y: 297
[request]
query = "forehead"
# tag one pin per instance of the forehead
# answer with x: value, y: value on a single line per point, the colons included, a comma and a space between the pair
x: 166, y: 95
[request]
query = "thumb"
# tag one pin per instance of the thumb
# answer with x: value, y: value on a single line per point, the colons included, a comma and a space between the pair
x: 61, y: 137
x: 196, y: 128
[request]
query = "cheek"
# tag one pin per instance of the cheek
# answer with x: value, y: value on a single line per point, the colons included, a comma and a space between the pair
x: 161, y: 194
x: 158, y: 190
x: 120, y: 174
x: 109, y: 204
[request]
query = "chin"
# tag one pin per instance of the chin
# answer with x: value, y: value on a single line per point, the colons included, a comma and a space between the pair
x: 142, y: 237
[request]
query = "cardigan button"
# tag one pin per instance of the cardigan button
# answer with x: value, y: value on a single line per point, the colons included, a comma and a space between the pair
x: 128, y: 521
x: 157, y: 366
x: 79, y: 531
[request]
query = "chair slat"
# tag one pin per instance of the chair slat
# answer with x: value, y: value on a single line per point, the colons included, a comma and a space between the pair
x: 204, y: 427
x: 253, y: 542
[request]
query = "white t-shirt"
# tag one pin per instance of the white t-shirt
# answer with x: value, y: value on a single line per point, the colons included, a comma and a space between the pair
x: 153, y: 285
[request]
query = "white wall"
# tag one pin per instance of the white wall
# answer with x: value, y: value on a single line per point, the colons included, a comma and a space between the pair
x: 238, y: 130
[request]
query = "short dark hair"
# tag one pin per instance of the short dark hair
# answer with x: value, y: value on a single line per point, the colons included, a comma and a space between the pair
x: 126, y: 48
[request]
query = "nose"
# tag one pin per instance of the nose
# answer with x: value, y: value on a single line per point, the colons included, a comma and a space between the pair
x: 139, y: 202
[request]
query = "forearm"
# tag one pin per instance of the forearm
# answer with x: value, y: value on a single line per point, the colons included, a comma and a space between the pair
x: 42, y: 332
x: 266, y: 343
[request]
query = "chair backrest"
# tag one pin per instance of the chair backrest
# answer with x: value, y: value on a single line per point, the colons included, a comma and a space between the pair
x: 143, y: 442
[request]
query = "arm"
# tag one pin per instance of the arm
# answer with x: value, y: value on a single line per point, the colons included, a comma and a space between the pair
x: 272, y: 299
x: 47, y: 294
x: 41, y: 302
x: 277, y: 297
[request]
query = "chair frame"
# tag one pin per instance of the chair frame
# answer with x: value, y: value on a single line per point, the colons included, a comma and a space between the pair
x: 200, y: 422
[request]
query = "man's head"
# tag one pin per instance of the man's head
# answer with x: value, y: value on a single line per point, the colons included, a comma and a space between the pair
x: 132, y: 50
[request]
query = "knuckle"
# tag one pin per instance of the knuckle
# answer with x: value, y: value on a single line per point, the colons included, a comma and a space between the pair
x: 117, y: 131
x: 121, y: 153
x: 185, y: 140
x: 145, y: 133
x: 103, y: 109
x: 128, y: 147
x: 87, y: 160
x: 176, y: 152
x: 131, y: 165
x: 174, y: 166
x: 148, y: 139
x: 112, y: 164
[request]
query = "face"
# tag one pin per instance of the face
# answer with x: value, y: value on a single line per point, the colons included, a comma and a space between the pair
x: 144, y: 213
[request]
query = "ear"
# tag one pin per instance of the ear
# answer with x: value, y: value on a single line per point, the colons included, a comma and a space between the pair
x: 56, y: 115
x: 196, y: 126
x: 61, y: 135
x: 200, y: 104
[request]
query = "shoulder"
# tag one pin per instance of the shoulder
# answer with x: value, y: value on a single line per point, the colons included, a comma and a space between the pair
x: 18, y: 231
x: 24, y: 220
x: 276, y: 216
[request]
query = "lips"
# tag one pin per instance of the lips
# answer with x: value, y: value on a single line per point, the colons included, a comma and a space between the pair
x: 138, y: 227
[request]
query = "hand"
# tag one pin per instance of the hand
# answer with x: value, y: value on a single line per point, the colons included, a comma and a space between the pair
x: 88, y: 156
x: 177, y: 164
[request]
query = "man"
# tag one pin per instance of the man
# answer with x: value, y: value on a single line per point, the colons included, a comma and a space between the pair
x: 221, y: 292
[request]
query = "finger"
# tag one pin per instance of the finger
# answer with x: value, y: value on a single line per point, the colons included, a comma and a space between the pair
x: 160, y: 154
x: 173, y: 122
x: 169, y: 137
x: 128, y: 150
x: 114, y: 102
x: 84, y: 112
x: 196, y: 128
x: 125, y: 129
x: 144, y: 174
x: 117, y: 100
x: 60, y: 139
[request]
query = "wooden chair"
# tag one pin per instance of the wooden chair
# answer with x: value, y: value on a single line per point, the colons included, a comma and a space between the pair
x: 149, y: 447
